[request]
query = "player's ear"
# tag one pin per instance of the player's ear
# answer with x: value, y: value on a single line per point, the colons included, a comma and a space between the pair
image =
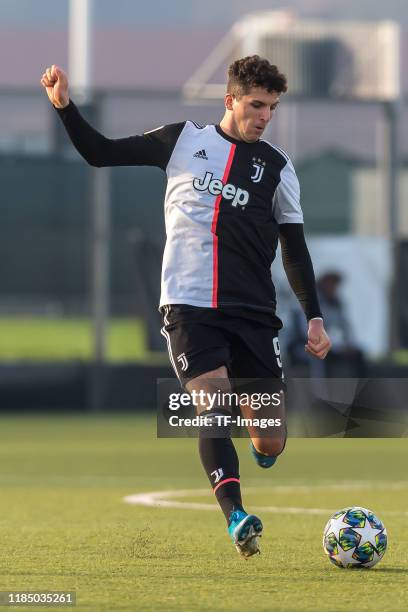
x: 229, y: 98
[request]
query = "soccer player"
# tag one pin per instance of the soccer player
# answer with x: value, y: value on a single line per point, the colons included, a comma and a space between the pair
x: 230, y: 197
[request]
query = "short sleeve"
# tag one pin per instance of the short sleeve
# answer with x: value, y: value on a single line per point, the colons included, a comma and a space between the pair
x: 286, y: 200
x: 162, y: 141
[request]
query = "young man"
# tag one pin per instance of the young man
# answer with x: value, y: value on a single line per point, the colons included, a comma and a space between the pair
x: 230, y: 197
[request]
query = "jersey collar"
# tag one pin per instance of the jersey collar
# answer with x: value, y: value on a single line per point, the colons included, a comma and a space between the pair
x: 234, y: 140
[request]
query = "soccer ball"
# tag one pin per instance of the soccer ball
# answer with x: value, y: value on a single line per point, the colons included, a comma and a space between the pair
x: 354, y: 537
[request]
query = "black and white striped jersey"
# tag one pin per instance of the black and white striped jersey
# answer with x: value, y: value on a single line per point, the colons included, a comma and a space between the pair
x: 224, y: 203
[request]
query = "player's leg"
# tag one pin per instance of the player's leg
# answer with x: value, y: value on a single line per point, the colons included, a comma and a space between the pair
x: 199, y: 353
x: 217, y: 451
x: 257, y: 358
x: 221, y: 464
x: 267, y: 441
x: 202, y: 368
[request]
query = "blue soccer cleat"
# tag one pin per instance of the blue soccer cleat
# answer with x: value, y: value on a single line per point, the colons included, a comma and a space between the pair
x: 245, y: 531
x: 264, y: 461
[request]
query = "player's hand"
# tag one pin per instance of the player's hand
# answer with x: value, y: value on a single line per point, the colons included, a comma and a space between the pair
x: 318, y: 342
x: 55, y: 82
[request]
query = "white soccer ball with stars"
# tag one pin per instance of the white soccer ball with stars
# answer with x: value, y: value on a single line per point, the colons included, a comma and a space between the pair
x: 355, y: 538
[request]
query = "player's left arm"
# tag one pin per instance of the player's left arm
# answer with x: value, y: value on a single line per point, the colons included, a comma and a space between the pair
x: 296, y: 258
x: 299, y: 270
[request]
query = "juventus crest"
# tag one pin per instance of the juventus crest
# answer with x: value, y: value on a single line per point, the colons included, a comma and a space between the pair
x: 259, y: 167
x: 182, y: 359
x: 218, y: 474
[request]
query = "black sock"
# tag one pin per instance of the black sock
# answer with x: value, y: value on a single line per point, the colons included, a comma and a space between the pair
x: 220, y: 461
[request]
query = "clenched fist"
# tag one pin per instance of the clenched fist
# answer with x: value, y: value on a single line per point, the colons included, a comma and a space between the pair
x: 55, y: 82
x: 318, y: 342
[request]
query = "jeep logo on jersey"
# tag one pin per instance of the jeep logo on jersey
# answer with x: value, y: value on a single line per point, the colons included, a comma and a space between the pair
x: 217, y: 187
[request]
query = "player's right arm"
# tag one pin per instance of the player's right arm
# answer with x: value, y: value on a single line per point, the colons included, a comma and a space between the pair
x: 151, y: 149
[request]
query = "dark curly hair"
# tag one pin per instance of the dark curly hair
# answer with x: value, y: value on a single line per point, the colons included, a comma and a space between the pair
x: 254, y: 71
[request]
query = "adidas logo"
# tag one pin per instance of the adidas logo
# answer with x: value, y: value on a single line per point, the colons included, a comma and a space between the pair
x: 201, y: 154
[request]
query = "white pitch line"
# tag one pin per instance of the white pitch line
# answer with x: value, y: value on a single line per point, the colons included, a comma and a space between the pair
x: 338, y: 486
x: 160, y: 499
x: 165, y: 499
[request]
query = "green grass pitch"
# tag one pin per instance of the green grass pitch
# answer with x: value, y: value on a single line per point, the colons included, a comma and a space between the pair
x: 64, y: 338
x: 64, y: 524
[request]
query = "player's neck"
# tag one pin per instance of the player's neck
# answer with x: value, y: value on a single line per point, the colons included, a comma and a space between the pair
x: 229, y: 128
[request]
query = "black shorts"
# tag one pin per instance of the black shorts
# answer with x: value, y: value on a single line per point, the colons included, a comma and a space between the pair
x: 202, y: 339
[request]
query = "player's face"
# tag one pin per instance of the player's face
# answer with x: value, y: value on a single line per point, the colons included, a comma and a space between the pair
x: 252, y: 112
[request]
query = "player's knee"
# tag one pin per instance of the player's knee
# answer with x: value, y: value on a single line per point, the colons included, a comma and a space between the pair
x: 270, y: 447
